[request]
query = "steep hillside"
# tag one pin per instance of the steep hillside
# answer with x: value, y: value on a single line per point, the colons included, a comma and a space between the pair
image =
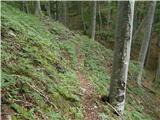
x: 50, y: 73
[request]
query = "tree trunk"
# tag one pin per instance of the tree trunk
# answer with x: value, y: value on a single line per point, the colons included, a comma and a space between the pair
x: 109, y: 13
x: 94, y: 20
x: 38, y: 11
x: 48, y: 9
x: 82, y: 16
x: 157, y: 79
x: 65, y: 12
x: 138, y: 29
x: 147, y: 34
x: 25, y: 6
x: 100, y: 17
x: 57, y: 15
x: 121, y: 58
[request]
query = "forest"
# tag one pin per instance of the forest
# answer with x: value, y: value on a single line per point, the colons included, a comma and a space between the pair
x: 80, y: 60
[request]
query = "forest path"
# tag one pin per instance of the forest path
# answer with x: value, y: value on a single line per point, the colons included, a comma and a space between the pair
x: 88, y: 101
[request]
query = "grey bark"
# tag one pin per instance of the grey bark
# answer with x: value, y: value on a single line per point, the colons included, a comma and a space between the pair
x: 138, y: 30
x: 147, y: 34
x: 82, y: 16
x: 38, y: 11
x: 109, y: 12
x: 48, y: 9
x: 57, y: 14
x: 157, y: 79
x: 123, y: 38
x: 100, y: 17
x: 65, y: 12
x: 25, y: 6
x: 93, y: 30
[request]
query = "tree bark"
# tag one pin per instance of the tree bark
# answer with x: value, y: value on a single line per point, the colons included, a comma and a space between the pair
x: 94, y: 20
x: 109, y: 12
x: 48, y: 9
x: 57, y: 14
x: 38, y: 11
x: 65, y: 12
x: 157, y: 78
x: 138, y: 30
x: 147, y: 34
x: 100, y: 17
x: 82, y: 16
x: 25, y: 6
x: 121, y: 58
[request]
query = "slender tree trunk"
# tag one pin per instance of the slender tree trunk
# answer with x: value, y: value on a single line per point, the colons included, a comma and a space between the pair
x: 94, y: 20
x: 25, y: 6
x: 147, y: 34
x: 109, y: 12
x: 38, y: 11
x: 48, y: 9
x: 65, y: 12
x: 82, y: 16
x: 100, y: 17
x: 57, y: 15
x: 148, y: 54
x: 121, y: 58
x: 138, y: 29
x: 157, y: 79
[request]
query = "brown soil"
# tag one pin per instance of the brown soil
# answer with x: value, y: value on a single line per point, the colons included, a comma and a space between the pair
x: 88, y: 100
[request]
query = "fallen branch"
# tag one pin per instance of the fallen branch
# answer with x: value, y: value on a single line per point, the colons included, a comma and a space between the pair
x: 46, y: 98
x: 115, y: 110
x: 152, y: 91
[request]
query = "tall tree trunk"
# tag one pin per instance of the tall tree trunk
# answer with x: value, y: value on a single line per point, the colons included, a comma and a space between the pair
x: 57, y: 15
x: 147, y: 34
x: 93, y: 30
x: 100, y: 17
x: 48, y: 9
x: 82, y: 16
x: 65, y: 12
x: 157, y: 78
x: 138, y: 29
x: 38, y: 11
x: 121, y: 58
x: 25, y: 6
x: 109, y: 12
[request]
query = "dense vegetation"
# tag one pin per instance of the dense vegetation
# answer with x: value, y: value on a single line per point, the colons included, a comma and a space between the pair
x: 39, y: 72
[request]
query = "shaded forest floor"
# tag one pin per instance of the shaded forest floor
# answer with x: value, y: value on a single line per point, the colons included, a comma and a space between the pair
x: 51, y: 73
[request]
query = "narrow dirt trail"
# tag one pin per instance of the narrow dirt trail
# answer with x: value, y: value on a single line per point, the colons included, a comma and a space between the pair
x: 91, y: 109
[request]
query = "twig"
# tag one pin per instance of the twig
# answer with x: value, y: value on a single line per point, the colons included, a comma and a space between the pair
x: 46, y: 98
x: 115, y: 110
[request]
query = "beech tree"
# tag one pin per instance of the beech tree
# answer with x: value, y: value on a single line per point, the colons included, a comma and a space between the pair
x: 38, y: 10
x: 146, y: 40
x: 48, y: 8
x: 121, y: 58
x: 93, y: 30
x: 65, y: 12
x: 25, y: 6
x: 157, y: 78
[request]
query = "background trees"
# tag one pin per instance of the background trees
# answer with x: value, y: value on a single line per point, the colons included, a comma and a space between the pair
x: 147, y: 37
